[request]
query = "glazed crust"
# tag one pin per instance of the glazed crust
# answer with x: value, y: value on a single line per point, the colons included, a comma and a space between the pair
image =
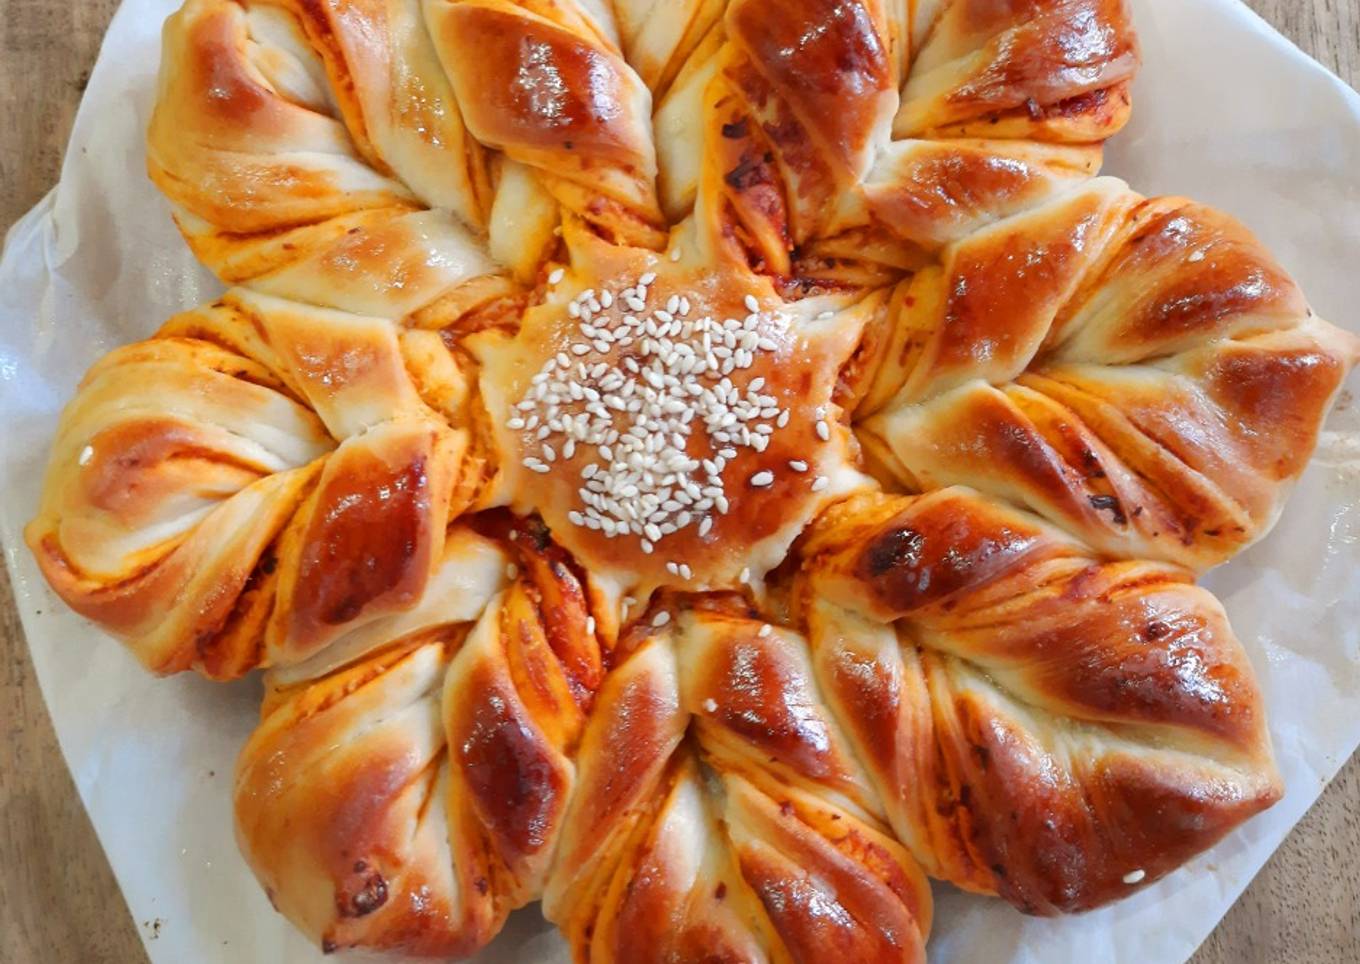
x: 721, y: 814
x: 1141, y: 372
x: 1046, y: 723
x: 708, y: 465
x: 410, y: 800
x: 248, y: 485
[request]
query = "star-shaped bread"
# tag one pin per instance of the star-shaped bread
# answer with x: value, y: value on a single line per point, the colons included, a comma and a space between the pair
x: 709, y: 465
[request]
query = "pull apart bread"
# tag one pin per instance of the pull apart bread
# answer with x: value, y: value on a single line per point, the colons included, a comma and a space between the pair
x: 707, y: 465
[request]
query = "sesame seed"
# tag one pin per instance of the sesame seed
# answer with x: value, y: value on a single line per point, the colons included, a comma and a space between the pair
x: 675, y: 254
x: 798, y: 465
x: 751, y: 304
x: 745, y: 575
x: 764, y: 630
x: 823, y: 431
x: 1134, y: 876
x: 511, y: 571
x: 628, y: 419
x: 710, y: 705
x: 819, y: 483
x: 557, y: 275
x: 86, y: 454
x: 661, y: 619
x: 590, y: 625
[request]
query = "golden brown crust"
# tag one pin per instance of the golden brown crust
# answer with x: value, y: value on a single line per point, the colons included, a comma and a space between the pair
x: 1044, y: 725
x: 1138, y: 371
x: 801, y: 94
x: 411, y: 800
x: 271, y: 186
x: 220, y: 126
x: 872, y: 241
x: 928, y: 193
x: 248, y: 486
x: 720, y: 813
x: 795, y: 373
x: 541, y: 83
x: 1048, y: 67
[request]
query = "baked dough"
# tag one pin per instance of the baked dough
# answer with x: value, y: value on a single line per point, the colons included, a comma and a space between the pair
x: 707, y: 465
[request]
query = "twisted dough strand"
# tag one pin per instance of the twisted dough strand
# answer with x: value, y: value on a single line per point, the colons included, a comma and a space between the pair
x: 279, y: 479
x: 546, y: 84
x: 410, y: 800
x: 1042, y: 70
x: 1139, y: 371
x: 800, y: 114
x: 247, y: 486
x: 1042, y: 725
x: 301, y: 145
x: 718, y: 812
x: 802, y: 95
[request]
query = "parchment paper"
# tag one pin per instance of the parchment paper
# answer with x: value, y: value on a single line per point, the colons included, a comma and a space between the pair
x: 1225, y: 110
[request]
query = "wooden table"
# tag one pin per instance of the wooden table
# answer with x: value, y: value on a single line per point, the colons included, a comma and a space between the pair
x: 58, y: 899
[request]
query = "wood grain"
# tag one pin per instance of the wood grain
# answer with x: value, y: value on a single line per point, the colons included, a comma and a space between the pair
x: 59, y: 902
x: 58, y: 899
